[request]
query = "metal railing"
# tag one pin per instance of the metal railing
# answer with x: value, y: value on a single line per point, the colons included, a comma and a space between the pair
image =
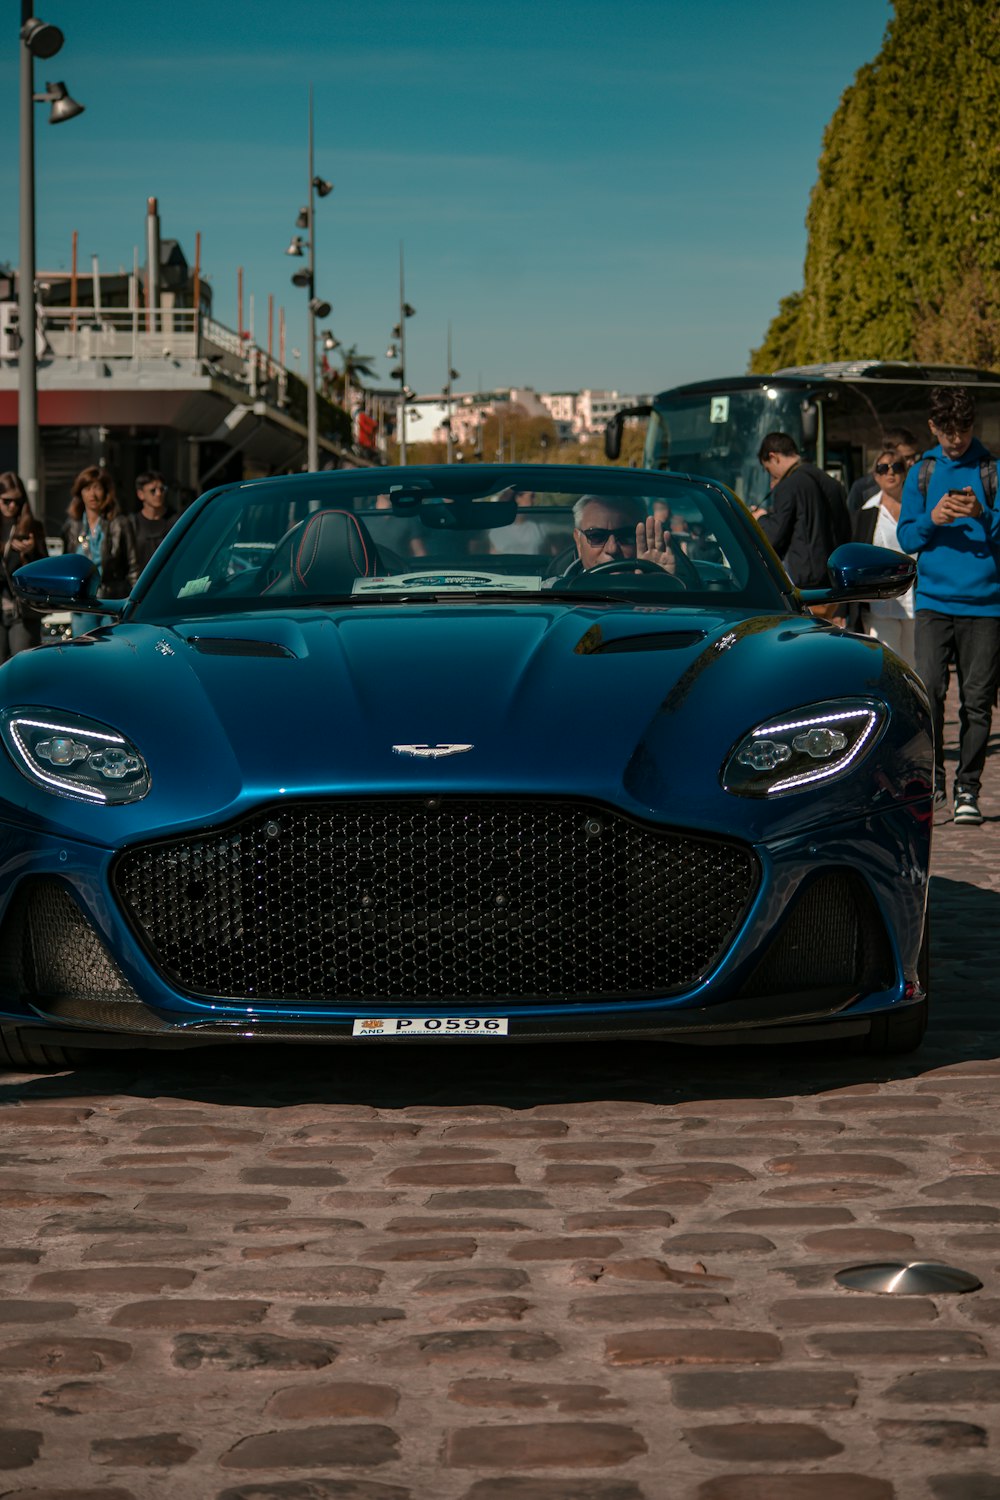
x: 174, y: 334
x: 118, y: 333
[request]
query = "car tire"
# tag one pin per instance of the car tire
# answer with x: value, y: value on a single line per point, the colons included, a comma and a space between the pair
x: 20, y: 1054
x: 902, y: 1031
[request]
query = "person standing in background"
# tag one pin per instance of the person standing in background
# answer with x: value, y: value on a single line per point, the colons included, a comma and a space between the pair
x: 889, y: 620
x: 22, y: 540
x: 950, y: 521
x: 906, y: 447
x: 154, y: 518
x: 95, y: 528
x: 807, y: 519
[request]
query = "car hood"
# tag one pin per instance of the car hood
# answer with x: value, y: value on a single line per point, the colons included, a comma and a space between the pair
x: 636, y: 706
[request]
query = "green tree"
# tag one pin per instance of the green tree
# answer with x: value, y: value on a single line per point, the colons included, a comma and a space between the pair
x: 780, y: 346
x: 510, y: 433
x: 904, y: 218
x: 331, y: 421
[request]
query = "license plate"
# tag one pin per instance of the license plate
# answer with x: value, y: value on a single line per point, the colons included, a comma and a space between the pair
x: 432, y: 1026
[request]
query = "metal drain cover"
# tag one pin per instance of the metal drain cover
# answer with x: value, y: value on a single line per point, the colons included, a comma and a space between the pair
x: 914, y: 1278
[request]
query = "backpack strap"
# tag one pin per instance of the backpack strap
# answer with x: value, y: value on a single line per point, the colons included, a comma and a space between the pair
x: 924, y: 477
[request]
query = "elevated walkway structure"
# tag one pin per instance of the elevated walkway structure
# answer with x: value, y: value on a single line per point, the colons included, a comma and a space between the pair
x: 165, y: 388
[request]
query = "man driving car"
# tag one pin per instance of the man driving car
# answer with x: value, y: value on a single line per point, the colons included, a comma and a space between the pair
x: 617, y: 529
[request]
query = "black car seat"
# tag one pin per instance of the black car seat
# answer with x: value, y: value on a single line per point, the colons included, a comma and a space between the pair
x: 324, y: 554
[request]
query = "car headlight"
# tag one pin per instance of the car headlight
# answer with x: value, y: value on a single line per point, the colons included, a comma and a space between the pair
x: 73, y: 756
x: 799, y: 750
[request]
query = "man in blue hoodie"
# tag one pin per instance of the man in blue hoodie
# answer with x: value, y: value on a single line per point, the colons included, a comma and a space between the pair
x: 949, y: 518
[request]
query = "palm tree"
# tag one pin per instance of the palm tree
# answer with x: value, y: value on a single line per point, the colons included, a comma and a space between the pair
x: 356, y: 366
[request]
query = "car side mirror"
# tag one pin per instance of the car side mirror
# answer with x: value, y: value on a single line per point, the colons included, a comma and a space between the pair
x: 859, y: 572
x: 810, y: 422
x: 69, y: 581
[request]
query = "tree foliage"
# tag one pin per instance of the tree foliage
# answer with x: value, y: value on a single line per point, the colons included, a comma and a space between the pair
x: 904, y: 218
x: 331, y: 421
x: 780, y: 346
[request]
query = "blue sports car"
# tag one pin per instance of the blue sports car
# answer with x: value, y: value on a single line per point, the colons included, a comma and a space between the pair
x: 503, y: 753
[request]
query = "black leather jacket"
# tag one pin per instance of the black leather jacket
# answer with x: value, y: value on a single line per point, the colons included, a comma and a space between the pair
x: 119, y: 569
x: 807, y: 520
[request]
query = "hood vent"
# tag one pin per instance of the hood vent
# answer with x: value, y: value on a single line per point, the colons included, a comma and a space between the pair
x: 224, y: 645
x: 675, y: 640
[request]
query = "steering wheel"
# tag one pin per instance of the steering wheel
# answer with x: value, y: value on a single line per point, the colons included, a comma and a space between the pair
x: 625, y: 565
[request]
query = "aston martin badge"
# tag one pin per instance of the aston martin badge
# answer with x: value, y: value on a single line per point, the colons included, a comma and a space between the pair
x: 430, y: 752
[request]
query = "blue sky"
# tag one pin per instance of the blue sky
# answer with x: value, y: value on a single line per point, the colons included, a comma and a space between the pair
x: 593, y: 195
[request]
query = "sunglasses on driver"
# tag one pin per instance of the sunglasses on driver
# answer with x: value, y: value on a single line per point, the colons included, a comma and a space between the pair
x: 597, y: 536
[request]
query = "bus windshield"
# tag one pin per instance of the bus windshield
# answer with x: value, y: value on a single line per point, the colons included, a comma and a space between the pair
x: 717, y: 435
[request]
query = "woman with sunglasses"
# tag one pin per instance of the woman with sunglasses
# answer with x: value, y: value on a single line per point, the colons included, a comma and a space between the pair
x: 890, y: 620
x: 96, y: 529
x: 22, y: 540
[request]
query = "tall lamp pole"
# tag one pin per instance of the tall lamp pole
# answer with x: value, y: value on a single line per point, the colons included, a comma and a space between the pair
x: 447, y: 393
x: 399, y: 373
x: 402, y: 362
x: 37, y: 40
x: 312, y: 451
x: 317, y: 308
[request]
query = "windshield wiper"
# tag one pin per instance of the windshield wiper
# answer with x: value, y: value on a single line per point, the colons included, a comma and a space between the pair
x: 449, y: 596
x: 592, y: 596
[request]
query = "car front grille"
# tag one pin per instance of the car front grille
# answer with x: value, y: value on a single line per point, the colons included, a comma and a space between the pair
x: 433, y: 901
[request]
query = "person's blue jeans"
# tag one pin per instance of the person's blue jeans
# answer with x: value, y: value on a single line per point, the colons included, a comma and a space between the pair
x: 973, y: 642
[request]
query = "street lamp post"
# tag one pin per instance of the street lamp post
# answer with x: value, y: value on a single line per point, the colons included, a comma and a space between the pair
x: 37, y: 40
x: 317, y: 308
x: 399, y: 373
x: 452, y: 375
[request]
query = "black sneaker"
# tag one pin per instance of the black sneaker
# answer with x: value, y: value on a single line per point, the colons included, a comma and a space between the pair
x: 967, y: 809
x: 940, y: 800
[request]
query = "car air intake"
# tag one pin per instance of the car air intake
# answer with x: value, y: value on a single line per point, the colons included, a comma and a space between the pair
x: 51, y: 956
x: 224, y: 645
x: 435, y: 901
x: 674, y: 640
x: 833, y: 938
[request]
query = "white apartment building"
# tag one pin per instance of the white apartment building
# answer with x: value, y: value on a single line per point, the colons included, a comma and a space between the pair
x: 587, y: 412
x: 577, y: 415
x: 561, y: 405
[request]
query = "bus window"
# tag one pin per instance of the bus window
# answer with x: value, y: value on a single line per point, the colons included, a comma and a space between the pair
x: 698, y: 433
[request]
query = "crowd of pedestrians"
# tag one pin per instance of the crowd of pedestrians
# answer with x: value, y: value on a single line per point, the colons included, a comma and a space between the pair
x: 119, y: 543
x: 938, y: 504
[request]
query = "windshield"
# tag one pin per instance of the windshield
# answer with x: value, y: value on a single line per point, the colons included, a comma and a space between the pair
x: 404, y: 535
x: 717, y: 435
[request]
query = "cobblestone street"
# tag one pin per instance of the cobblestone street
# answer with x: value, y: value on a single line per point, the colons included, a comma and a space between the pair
x: 535, y: 1273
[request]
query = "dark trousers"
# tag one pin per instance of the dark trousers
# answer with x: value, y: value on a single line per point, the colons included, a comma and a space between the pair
x: 17, y: 635
x: 974, y: 640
